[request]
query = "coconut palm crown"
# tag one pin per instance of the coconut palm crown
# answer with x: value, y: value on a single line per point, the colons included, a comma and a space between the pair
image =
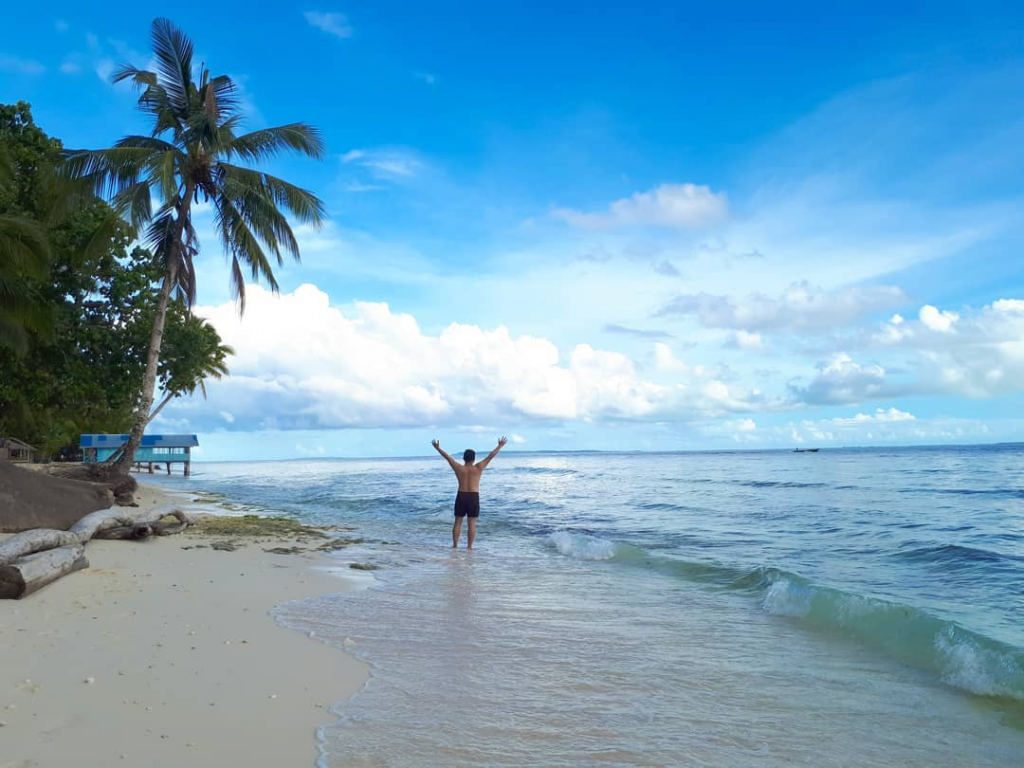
x: 196, y: 153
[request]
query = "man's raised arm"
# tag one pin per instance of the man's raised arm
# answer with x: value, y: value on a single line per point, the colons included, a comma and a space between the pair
x: 437, y: 444
x: 501, y: 444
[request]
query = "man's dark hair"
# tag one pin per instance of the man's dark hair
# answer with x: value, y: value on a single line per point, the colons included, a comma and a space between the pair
x: 469, y: 455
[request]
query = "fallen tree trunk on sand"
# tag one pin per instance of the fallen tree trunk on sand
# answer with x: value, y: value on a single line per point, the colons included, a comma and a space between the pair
x: 141, y: 531
x: 32, y: 559
x: 33, y: 572
x: 39, y: 540
x: 93, y: 525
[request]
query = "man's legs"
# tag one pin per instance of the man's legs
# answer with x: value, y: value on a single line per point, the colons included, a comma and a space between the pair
x: 472, y: 532
x: 457, y: 529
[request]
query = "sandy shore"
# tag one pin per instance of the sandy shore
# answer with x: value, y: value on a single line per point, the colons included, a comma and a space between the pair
x: 164, y: 654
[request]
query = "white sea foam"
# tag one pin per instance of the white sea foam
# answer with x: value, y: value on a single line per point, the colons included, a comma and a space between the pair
x: 976, y: 669
x: 582, y: 546
x: 784, y: 598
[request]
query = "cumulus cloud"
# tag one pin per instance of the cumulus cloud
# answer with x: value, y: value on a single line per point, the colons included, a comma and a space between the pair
x: 884, y: 426
x: 802, y: 308
x: 881, y: 415
x: 977, y: 353
x: 936, y: 320
x: 336, y: 24
x: 675, y: 206
x: 301, y: 363
x: 841, y: 380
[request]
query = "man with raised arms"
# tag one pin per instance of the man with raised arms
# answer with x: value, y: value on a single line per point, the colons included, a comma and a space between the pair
x: 467, y: 501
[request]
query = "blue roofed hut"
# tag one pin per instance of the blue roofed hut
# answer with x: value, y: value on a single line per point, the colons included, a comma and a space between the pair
x: 155, y: 449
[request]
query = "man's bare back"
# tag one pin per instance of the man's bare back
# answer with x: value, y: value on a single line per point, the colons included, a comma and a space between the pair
x: 467, y: 501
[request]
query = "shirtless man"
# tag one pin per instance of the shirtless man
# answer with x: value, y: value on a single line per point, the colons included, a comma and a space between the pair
x: 467, y: 502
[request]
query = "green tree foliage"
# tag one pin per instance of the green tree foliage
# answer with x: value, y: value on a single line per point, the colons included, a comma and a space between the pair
x: 77, y: 367
x: 26, y: 155
x: 196, y: 151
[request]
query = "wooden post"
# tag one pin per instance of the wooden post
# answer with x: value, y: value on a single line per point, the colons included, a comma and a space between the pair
x: 188, y: 468
x: 168, y: 467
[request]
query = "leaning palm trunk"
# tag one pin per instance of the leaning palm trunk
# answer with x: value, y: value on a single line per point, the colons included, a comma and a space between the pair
x: 142, y: 417
x: 194, y: 152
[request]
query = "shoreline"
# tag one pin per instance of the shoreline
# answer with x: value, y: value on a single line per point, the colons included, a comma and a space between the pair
x: 166, y: 652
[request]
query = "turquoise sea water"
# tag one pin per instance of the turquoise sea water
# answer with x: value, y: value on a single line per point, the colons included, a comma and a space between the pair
x: 849, y: 607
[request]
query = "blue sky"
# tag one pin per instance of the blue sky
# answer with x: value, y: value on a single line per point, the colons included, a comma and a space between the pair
x: 603, y: 227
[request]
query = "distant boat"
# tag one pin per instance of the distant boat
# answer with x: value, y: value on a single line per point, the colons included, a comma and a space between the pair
x: 806, y: 450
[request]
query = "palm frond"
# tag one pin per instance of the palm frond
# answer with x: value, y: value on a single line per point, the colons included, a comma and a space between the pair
x: 110, y: 170
x: 173, y: 52
x: 24, y: 249
x: 147, y: 142
x: 140, y: 78
x: 303, y: 204
x: 245, y: 248
x: 136, y: 202
x: 265, y: 143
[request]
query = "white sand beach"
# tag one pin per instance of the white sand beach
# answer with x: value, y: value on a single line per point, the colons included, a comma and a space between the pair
x: 163, y: 654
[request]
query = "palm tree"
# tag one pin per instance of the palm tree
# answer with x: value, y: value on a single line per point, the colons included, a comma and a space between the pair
x: 194, y: 153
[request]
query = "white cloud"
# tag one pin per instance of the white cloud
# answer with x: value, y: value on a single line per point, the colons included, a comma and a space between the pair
x: 104, y: 56
x: 841, y: 380
x: 20, y: 66
x: 302, y: 363
x: 738, y: 430
x: 932, y: 318
x: 666, y: 360
x: 336, y: 24
x: 881, y: 415
x: 70, y: 68
x: 389, y: 164
x: 60, y: 25
x: 890, y: 426
x: 745, y: 340
x: 517, y: 439
x: 677, y: 206
x: 802, y: 308
x: 426, y: 77
x: 977, y: 353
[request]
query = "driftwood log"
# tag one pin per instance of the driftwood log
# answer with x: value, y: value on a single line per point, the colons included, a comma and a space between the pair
x: 32, y: 559
x: 33, y: 572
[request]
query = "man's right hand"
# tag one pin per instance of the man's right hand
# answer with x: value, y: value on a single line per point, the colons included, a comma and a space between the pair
x: 502, y: 441
x: 436, y: 443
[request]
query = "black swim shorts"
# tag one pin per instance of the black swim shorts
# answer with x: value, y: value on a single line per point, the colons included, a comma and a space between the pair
x: 467, y: 503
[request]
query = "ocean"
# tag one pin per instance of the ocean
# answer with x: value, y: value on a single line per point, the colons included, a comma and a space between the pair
x: 846, y: 607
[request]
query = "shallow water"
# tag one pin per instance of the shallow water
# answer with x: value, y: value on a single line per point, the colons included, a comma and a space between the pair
x: 844, y: 607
